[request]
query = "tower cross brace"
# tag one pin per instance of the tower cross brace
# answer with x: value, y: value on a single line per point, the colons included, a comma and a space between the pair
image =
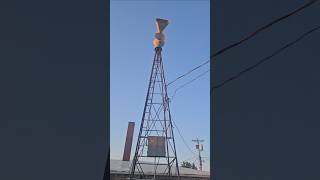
x: 156, y: 144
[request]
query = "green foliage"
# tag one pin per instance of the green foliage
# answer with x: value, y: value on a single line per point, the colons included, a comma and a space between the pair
x: 187, y: 164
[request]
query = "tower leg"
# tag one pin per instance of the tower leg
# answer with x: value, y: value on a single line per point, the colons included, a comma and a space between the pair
x: 155, y: 139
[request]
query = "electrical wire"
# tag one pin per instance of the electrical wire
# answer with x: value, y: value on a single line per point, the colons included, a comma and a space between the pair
x: 264, y: 28
x: 190, y: 71
x: 253, y: 66
x: 249, y: 68
x: 183, y: 85
x: 183, y: 140
x: 248, y: 37
x: 301, y: 37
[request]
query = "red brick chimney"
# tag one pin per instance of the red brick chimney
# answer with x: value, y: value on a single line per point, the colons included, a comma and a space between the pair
x: 128, y: 145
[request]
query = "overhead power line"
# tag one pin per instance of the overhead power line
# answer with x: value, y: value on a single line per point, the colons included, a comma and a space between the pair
x: 264, y: 28
x: 248, y: 37
x: 190, y: 71
x: 301, y: 37
x: 183, y: 85
x: 183, y: 140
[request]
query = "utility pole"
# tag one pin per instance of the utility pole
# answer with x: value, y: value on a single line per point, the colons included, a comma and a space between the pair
x: 199, y: 147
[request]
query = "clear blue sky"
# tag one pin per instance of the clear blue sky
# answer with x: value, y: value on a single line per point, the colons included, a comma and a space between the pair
x: 187, y: 45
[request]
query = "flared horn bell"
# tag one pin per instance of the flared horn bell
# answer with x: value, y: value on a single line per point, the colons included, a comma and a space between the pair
x: 161, y: 24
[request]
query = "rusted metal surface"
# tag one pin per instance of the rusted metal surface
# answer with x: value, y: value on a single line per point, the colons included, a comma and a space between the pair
x: 156, y: 146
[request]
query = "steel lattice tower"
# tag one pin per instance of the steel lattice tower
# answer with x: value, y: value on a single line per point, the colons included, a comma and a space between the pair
x: 156, y: 145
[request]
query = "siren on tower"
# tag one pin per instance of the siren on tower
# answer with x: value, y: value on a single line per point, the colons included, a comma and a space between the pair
x: 155, y: 144
x: 159, y: 36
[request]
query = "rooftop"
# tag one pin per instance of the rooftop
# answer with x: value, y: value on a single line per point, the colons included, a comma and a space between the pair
x: 122, y: 167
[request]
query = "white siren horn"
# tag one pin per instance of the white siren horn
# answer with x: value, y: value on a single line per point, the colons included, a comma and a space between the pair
x: 159, y: 37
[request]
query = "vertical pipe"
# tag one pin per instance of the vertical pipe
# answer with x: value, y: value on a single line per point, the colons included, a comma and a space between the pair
x: 128, y: 144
